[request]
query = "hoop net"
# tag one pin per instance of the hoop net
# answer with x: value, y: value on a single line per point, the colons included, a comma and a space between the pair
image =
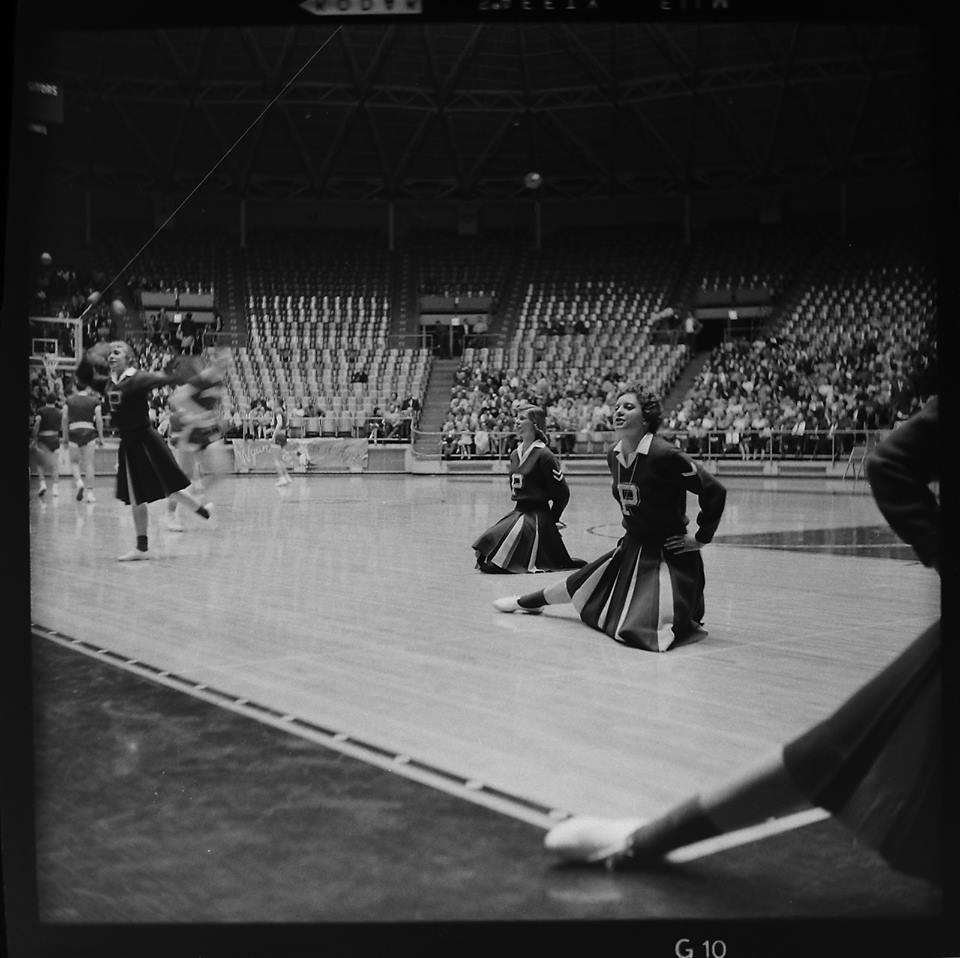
x: 50, y: 363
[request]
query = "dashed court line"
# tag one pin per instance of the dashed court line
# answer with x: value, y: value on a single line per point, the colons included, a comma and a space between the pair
x: 460, y: 786
x: 400, y: 763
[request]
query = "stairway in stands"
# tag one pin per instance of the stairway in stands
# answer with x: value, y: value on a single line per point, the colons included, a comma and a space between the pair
x: 436, y: 402
x: 230, y: 299
x: 685, y: 380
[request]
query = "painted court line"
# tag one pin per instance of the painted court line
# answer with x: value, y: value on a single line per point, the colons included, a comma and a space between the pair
x: 822, y: 546
x: 403, y: 764
x: 745, y: 836
x: 468, y: 789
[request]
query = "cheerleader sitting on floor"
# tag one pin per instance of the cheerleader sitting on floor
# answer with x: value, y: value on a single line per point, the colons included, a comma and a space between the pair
x: 648, y: 591
x: 528, y: 539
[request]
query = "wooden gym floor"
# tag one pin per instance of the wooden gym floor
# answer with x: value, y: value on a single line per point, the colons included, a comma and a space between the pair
x: 340, y: 624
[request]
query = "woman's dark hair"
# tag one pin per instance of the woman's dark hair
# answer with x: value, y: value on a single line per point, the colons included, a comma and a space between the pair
x: 650, y: 406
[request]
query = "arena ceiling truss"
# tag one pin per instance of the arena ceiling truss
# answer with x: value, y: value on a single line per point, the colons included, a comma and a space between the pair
x: 463, y: 111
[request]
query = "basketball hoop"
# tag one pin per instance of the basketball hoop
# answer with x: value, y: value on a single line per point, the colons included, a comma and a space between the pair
x: 50, y: 362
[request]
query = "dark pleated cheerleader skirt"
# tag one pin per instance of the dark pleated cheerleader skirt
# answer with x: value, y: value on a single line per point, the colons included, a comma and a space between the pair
x: 146, y: 469
x: 641, y: 595
x: 875, y: 763
x: 521, y: 542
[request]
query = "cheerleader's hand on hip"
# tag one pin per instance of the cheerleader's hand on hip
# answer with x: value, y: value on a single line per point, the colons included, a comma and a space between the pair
x: 677, y: 544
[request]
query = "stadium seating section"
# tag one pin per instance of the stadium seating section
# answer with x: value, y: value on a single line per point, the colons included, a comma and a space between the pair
x: 329, y: 323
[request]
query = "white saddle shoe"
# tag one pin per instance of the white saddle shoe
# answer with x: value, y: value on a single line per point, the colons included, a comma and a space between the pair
x: 585, y: 838
x: 509, y: 604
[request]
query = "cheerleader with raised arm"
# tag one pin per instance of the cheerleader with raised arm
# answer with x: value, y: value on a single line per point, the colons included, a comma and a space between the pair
x: 146, y: 468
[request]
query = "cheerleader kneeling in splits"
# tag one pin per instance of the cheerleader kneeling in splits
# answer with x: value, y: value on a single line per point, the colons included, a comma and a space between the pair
x: 528, y: 539
x: 648, y: 591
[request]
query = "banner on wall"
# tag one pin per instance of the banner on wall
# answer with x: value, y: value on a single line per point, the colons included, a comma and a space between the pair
x: 300, y: 455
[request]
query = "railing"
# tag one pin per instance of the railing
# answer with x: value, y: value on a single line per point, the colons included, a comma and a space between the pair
x: 837, y: 446
x: 775, y: 445
x: 744, y: 329
x: 406, y: 341
x: 831, y: 445
x: 427, y: 339
x: 209, y: 337
x: 226, y: 337
x: 350, y: 425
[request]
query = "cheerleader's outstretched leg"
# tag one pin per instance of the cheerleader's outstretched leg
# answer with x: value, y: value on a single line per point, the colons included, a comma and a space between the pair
x: 533, y: 602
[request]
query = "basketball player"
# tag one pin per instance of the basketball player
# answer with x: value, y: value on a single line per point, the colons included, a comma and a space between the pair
x: 528, y: 539
x: 875, y: 763
x: 648, y: 591
x: 146, y: 469
x: 279, y: 436
x: 46, y: 437
x: 82, y: 424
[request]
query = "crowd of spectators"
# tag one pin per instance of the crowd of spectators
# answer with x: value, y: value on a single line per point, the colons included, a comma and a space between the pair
x: 255, y: 421
x: 784, y: 394
x: 40, y: 387
x: 64, y: 293
x: 58, y: 291
x: 394, y: 423
x: 843, y: 366
x: 181, y: 330
x: 481, y: 416
x: 795, y: 396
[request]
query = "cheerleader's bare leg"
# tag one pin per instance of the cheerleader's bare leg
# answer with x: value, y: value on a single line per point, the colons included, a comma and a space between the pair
x: 192, y: 502
x: 171, y: 521
x: 141, y: 518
